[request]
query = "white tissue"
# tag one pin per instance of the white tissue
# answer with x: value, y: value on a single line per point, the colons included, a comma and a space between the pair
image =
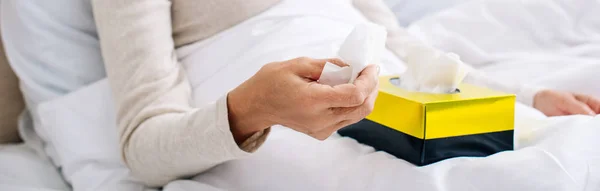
x: 362, y: 47
x: 432, y: 71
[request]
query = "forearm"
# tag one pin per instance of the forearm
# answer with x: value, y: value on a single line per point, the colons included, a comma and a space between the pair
x: 176, y: 144
x: 162, y: 136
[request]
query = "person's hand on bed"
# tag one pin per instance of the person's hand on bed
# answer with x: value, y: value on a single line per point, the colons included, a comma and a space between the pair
x: 287, y: 93
x: 559, y: 103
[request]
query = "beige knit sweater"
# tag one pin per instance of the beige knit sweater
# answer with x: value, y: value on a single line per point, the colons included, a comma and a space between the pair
x: 162, y: 136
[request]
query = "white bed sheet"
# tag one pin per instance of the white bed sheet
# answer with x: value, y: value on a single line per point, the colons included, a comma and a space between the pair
x: 22, y: 169
x: 554, y: 153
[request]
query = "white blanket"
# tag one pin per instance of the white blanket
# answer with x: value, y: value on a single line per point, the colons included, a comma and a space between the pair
x: 552, y: 43
x: 552, y: 153
x: 23, y: 170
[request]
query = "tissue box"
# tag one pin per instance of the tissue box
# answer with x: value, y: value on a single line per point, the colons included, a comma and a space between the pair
x: 425, y: 128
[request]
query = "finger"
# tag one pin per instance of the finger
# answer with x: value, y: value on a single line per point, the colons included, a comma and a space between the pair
x: 327, y: 132
x: 369, y: 74
x: 346, y: 95
x: 321, y: 136
x: 312, y: 68
x: 336, y: 61
x: 575, y: 107
x: 369, y: 104
x: 351, y: 95
x: 355, y: 114
x: 592, y: 102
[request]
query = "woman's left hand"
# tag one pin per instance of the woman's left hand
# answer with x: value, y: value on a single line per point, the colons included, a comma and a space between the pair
x: 560, y: 103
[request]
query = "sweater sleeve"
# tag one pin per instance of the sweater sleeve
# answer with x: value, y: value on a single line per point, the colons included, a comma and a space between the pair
x: 162, y: 137
x: 378, y: 12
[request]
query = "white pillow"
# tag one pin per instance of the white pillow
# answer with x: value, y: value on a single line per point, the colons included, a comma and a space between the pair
x: 81, y: 126
x: 53, y: 48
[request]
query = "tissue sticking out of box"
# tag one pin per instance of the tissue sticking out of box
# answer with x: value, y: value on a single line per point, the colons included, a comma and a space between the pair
x: 432, y: 71
x: 362, y: 47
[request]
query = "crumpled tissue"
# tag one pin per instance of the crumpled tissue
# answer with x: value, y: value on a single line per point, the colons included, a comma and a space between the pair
x: 432, y: 71
x: 362, y: 47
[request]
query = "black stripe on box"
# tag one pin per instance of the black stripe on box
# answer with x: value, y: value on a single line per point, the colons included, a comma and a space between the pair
x: 423, y: 152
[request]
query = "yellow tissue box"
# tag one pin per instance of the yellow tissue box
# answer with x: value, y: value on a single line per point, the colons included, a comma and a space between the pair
x: 424, y: 128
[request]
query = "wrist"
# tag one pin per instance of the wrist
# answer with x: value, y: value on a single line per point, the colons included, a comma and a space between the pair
x: 244, y: 119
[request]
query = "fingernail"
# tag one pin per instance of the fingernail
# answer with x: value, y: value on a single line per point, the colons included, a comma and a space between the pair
x: 378, y: 70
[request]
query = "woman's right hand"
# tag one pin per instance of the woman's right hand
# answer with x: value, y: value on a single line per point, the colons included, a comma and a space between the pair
x: 287, y: 93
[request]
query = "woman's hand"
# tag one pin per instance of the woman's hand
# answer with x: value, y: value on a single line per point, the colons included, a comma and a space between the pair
x: 287, y: 93
x: 559, y: 103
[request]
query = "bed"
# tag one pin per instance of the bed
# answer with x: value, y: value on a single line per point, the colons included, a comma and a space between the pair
x: 551, y: 153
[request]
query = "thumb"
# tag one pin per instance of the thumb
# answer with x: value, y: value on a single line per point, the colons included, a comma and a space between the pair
x: 575, y: 107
